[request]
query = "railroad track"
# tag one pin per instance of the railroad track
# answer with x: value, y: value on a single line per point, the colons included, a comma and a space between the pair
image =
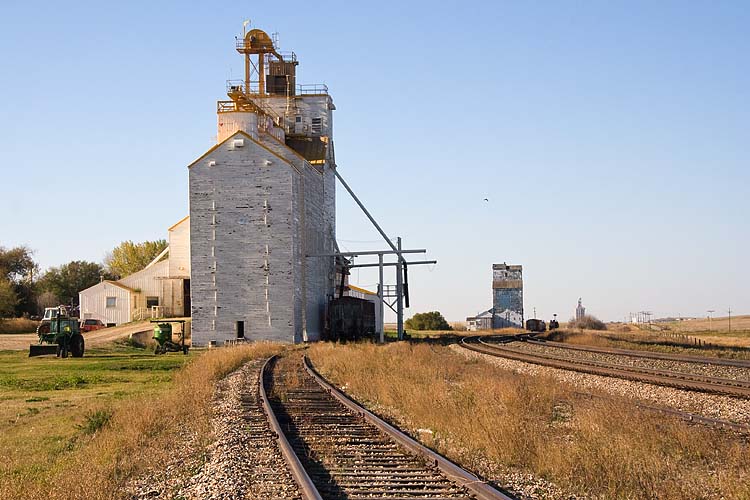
x: 740, y: 363
x: 498, y: 346
x: 338, y: 450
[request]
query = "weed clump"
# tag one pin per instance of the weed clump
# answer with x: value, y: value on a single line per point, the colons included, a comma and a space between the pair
x: 95, y: 421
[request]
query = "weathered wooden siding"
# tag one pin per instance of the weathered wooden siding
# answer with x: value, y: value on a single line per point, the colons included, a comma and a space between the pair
x: 312, y: 237
x: 242, y: 243
x: 307, y: 107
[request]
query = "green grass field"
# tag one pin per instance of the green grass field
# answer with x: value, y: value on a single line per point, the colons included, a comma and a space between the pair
x: 49, y: 404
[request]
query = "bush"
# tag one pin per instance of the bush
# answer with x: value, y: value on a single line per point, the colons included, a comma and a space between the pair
x: 95, y: 421
x: 428, y: 321
x: 18, y: 325
x: 587, y: 323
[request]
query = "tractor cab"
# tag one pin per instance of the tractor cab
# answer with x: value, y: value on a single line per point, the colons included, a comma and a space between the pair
x: 61, y: 335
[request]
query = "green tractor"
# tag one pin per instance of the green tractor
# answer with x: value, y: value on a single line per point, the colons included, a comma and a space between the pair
x: 63, y: 337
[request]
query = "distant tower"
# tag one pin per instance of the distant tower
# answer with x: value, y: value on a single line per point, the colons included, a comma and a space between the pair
x: 507, y: 296
x: 580, y: 310
x: 263, y: 205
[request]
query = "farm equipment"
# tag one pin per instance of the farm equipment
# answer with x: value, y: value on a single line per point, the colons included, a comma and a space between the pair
x: 49, y: 314
x: 61, y: 336
x: 163, y: 336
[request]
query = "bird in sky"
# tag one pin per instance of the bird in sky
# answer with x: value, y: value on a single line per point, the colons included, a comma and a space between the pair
x: 486, y: 199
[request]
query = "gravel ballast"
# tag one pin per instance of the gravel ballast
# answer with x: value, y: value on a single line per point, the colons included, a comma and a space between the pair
x: 244, y: 461
x: 707, y: 405
x: 706, y: 369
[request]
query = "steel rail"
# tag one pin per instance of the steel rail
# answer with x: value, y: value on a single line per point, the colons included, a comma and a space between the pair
x: 671, y: 379
x: 657, y: 372
x: 480, y: 489
x: 308, y: 491
x: 646, y: 354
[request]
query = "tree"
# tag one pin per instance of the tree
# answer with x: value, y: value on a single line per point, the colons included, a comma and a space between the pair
x: 428, y: 321
x: 128, y: 257
x: 587, y: 322
x: 8, y: 298
x: 17, y: 268
x: 17, y: 264
x: 69, y: 279
x: 47, y: 299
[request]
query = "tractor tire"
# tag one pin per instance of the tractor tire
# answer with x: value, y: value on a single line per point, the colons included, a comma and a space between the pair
x: 77, y: 346
x: 43, y: 328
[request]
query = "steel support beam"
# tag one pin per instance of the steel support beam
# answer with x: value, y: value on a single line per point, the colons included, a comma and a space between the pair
x: 382, y: 300
x: 387, y: 264
x: 400, y: 292
x: 377, y: 226
x: 366, y: 252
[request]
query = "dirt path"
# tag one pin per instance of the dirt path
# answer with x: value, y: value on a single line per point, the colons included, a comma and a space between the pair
x: 97, y: 338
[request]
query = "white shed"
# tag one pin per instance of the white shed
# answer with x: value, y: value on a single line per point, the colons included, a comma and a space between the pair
x: 108, y: 301
x: 161, y: 289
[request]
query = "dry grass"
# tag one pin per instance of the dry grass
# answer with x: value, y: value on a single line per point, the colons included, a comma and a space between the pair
x: 18, y: 325
x: 740, y: 324
x: 490, y: 419
x: 123, y: 440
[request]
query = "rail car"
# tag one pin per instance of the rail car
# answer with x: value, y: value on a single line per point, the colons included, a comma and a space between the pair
x: 536, y: 325
x: 350, y: 318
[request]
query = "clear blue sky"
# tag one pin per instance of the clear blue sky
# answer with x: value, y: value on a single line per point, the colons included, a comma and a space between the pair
x: 611, y: 138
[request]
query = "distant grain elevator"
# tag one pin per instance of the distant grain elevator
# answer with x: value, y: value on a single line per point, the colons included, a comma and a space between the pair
x: 507, y: 296
x: 261, y: 200
x: 507, y: 300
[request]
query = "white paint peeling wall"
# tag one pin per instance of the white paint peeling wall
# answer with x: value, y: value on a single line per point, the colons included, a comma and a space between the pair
x: 316, y: 239
x: 241, y: 226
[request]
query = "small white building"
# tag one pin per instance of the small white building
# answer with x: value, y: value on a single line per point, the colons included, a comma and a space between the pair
x: 161, y: 289
x: 482, y: 321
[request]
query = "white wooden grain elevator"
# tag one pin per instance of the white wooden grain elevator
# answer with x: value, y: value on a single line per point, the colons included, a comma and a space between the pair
x: 261, y: 200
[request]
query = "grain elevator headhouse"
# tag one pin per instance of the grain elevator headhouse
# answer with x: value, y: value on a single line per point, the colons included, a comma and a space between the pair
x: 261, y: 200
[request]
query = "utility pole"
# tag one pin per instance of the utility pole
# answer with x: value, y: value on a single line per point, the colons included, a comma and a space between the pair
x: 729, y: 311
x: 400, y: 292
x: 710, y: 313
x: 535, y: 313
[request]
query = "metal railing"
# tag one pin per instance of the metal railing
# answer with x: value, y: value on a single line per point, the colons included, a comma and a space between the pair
x: 314, y: 88
x: 153, y: 312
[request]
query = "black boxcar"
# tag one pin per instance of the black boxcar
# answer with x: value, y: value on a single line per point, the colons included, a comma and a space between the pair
x: 350, y: 318
x: 536, y: 325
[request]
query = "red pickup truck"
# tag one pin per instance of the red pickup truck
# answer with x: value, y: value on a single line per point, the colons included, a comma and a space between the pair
x: 88, y: 325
